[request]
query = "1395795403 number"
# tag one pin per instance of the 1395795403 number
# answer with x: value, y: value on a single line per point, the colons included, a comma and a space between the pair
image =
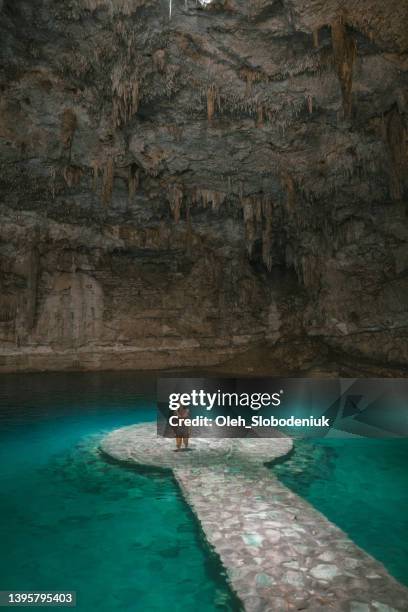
x: 39, y: 598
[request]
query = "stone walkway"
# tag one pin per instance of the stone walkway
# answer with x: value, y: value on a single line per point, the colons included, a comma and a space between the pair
x: 279, y: 552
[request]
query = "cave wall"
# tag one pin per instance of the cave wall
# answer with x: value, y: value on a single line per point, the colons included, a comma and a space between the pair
x: 177, y: 188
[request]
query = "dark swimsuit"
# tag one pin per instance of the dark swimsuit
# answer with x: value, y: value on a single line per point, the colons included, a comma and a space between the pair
x: 181, y: 430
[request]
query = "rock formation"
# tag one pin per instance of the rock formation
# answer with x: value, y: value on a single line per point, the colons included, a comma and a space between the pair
x: 181, y: 181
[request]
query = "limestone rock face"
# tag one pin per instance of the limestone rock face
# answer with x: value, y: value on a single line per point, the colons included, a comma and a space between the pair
x: 180, y: 181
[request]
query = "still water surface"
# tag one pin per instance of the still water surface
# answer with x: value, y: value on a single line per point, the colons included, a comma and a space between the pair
x: 70, y: 520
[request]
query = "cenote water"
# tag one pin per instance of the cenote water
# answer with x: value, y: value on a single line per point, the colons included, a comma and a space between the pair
x: 125, y: 539
x: 70, y: 520
x: 361, y: 485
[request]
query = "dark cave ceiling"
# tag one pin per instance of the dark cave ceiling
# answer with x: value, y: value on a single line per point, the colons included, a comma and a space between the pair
x: 268, y: 133
x: 240, y: 98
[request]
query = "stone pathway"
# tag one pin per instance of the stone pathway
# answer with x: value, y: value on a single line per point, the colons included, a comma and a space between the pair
x: 279, y: 552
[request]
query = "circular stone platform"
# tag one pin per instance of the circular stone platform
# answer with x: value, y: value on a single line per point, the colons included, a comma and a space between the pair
x: 141, y: 445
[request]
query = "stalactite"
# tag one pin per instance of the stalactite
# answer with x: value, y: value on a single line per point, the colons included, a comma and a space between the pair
x: 250, y: 76
x: 72, y: 175
x: 267, y: 234
x: 175, y: 197
x: 257, y: 206
x: 8, y: 309
x: 114, y: 6
x: 262, y: 106
x: 211, y: 99
x: 108, y: 176
x: 207, y: 197
x: 309, y: 102
x: 126, y: 97
x: 133, y: 180
x: 249, y: 223
x: 189, y: 231
x: 396, y: 135
x: 241, y: 191
x: 316, y: 42
x: 257, y: 213
x: 260, y: 115
x: 95, y: 165
x: 159, y: 60
x: 53, y: 177
x: 69, y: 125
x: 289, y: 186
x: 344, y: 51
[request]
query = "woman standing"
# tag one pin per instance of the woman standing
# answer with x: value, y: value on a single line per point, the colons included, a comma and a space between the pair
x: 182, y: 430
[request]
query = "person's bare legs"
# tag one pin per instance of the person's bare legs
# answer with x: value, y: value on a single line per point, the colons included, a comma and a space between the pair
x: 178, y: 442
x: 185, y: 441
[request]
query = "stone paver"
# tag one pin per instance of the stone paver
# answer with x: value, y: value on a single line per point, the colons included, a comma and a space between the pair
x: 279, y: 552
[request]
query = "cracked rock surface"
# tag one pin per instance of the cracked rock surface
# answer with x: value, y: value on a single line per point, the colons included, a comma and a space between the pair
x: 174, y: 191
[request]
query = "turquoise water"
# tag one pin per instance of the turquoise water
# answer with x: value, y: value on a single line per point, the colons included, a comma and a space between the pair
x: 362, y: 486
x: 70, y: 520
